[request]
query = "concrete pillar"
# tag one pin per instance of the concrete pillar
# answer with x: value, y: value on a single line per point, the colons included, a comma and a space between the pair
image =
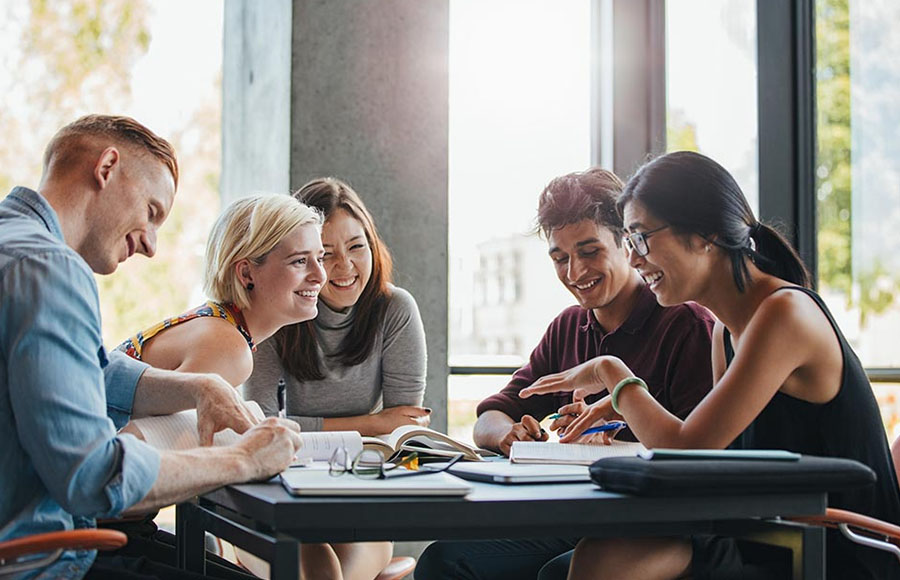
x: 256, y: 103
x: 368, y: 85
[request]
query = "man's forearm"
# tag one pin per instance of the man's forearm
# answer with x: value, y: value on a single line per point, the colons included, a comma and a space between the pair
x: 161, y: 392
x: 490, y: 428
x: 185, y: 474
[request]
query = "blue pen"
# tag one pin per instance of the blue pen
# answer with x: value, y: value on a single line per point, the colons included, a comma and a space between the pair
x: 611, y: 426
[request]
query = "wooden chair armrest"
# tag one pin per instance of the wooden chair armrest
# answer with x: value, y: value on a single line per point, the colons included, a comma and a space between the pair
x: 88, y: 539
x: 835, y: 517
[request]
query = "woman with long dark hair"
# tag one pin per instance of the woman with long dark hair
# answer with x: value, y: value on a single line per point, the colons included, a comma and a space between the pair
x: 785, y: 376
x: 360, y: 364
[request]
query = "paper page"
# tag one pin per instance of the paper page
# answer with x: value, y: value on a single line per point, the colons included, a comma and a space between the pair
x: 319, y: 445
x: 394, y: 436
x: 574, y: 453
x: 378, y: 444
x: 425, y: 436
x: 179, y: 430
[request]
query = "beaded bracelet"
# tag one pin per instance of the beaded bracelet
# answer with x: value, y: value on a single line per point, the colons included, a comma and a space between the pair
x: 622, y: 383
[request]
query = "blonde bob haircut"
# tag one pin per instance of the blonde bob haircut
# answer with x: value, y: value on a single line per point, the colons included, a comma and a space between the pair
x: 249, y: 229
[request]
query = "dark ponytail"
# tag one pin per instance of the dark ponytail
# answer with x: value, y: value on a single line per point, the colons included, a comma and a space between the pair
x: 774, y: 255
x: 696, y: 195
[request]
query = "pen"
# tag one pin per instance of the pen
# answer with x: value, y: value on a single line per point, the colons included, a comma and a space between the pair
x: 611, y: 426
x: 281, y: 396
x: 555, y: 416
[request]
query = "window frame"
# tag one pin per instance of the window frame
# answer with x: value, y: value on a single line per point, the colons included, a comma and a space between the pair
x: 786, y: 91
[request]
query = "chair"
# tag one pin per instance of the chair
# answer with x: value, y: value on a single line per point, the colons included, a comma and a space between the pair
x: 864, y: 530
x: 53, y: 544
x: 858, y: 528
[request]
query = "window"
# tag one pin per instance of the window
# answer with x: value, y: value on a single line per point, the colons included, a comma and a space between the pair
x: 159, y: 62
x: 711, y: 79
x: 519, y: 116
x: 858, y: 182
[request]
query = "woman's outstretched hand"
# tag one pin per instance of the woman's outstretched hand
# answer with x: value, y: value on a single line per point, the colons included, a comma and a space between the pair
x: 590, y: 377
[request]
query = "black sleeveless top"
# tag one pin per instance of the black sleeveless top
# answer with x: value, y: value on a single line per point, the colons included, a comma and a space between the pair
x: 848, y: 426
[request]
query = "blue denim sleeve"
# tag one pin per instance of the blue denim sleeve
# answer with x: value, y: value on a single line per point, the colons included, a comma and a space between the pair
x: 121, y: 375
x: 57, y: 389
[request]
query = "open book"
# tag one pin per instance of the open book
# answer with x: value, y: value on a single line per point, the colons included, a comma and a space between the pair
x: 179, y: 431
x: 427, y: 442
x: 570, y: 453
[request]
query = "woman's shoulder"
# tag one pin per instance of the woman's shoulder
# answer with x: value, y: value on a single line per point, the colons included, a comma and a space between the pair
x: 400, y: 300
x: 214, y: 332
x: 204, y: 344
x: 793, y: 309
x: 789, y: 300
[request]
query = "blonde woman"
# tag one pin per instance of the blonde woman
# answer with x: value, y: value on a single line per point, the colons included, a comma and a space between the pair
x: 263, y: 271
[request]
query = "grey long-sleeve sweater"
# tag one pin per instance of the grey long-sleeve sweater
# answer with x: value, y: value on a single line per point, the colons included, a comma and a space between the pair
x: 392, y: 375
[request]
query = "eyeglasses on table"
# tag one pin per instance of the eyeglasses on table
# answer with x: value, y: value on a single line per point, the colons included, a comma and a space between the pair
x: 370, y: 464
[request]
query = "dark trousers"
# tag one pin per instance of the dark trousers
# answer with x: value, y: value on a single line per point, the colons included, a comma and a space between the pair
x: 496, y: 559
x: 150, y: 554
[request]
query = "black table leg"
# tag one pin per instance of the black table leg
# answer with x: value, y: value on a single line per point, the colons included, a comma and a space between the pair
x: 285, y: 563
x: 189, y: 538
x: 813, y: 555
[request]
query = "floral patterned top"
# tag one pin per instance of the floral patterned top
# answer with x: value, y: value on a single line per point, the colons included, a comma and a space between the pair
x: 134, y: 346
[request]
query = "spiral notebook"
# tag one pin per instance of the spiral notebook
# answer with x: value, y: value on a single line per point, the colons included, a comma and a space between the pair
x: 570, y: 453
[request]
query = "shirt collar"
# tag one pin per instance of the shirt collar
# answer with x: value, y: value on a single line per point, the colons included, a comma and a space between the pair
x: 32, y: 203
x: 643, y: 308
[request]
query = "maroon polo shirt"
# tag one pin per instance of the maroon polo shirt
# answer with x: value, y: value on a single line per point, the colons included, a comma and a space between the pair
x: 667, y: 347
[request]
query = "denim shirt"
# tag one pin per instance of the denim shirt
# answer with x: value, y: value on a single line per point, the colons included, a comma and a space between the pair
x: 61, y: 400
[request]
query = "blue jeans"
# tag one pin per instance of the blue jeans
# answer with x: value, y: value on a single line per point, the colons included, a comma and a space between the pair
x: 495, y: 559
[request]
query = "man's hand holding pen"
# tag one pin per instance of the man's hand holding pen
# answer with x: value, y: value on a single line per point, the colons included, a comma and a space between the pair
x: 528, y: 429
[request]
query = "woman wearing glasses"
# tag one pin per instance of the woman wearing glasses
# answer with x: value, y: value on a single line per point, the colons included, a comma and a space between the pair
x: 786, y: 378
x: 360, y: 365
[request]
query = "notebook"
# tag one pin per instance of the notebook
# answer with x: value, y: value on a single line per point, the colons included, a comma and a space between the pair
x: 570, y: 453
x: 720, y: 454
x: 317, y: 482
x: 513, y: 473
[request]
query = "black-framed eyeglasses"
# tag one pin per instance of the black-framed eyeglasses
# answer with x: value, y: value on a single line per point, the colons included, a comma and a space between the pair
x: 370, y: 464
x: 637, y: 242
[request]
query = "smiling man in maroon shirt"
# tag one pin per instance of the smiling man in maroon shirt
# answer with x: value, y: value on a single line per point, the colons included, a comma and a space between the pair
x: 616, y: 314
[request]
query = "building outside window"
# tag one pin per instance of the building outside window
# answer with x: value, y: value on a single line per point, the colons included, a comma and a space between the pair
x: 519, y: 116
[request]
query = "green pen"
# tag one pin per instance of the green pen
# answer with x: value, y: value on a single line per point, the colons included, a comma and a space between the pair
x: 556, y: 416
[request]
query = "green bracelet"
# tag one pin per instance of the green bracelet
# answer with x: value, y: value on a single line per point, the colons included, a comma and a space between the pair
x: 622, y: 383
